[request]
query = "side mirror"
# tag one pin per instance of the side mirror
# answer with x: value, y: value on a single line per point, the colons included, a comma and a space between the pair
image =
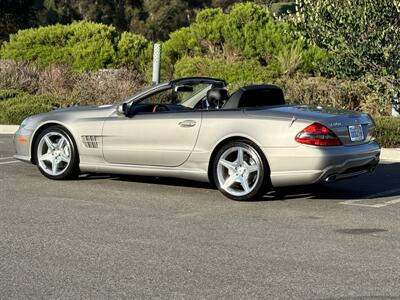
x: 123, y: 109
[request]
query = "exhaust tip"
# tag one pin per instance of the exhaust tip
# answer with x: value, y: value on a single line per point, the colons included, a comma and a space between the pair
x: 331, y: 178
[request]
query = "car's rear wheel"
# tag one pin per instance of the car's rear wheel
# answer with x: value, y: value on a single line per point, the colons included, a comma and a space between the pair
x: 56, y: 154
x: 241, y: 171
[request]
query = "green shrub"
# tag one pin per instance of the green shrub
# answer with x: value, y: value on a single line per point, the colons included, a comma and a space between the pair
x: 248, y: 31
x: 235, y: 73
x: 8, y: 94
x: 83, y: 45
x: 362, y: 36
x: 134, y: 51
x: 388, y: 131
x: 362, y: 95
x: 16, y: 106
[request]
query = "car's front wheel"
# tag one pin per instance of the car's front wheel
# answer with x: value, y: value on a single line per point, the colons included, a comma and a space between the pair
x: 56, y: 154
x: 240, y: 171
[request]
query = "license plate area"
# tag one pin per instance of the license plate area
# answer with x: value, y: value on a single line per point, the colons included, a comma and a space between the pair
x: 356, y: 133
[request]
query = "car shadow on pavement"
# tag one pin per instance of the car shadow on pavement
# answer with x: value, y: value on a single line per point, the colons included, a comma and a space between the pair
x: 384, y: 182
x: 148, y: 180
x: 178, y: 182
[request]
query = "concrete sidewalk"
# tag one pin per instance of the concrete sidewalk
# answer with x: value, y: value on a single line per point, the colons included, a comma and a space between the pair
x: 8, y: 129
x: 392, y: 154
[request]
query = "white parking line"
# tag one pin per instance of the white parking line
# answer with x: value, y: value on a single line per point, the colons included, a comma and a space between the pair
x: 378, y: 205
x: 364, y: 202
x: 9, y: 162
x: 385, y: 193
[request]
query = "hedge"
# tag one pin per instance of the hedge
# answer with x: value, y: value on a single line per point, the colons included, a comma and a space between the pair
x: 388, y: 131
x: 16, y: 106
x: 83, y: 45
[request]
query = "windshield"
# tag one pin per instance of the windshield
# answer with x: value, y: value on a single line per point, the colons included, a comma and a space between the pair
x: 191, y: 99
x: 140, y: 93
x: 187, y: 97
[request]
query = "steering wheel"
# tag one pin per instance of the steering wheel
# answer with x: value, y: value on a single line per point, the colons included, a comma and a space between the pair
x: 163, y: 107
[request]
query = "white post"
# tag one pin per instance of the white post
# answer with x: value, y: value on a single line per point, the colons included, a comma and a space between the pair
x: 395, y: 100
x: 396, y: 110
x: 156, y: 63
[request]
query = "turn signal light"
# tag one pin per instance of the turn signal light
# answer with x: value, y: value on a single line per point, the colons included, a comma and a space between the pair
x: 22, y: 140
x: 318, y: 135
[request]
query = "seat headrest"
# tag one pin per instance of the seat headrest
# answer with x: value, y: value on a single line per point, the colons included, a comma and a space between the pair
x: 216, y: 97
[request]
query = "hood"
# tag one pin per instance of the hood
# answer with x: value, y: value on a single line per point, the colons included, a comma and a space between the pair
x: 81, y: 108
x: 69, y: 114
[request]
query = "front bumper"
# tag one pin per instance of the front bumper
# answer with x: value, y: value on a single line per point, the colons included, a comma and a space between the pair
x: 309, y: 164
x: 22, y: 142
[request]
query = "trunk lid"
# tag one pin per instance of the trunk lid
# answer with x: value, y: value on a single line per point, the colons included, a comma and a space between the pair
x: 340, y: 121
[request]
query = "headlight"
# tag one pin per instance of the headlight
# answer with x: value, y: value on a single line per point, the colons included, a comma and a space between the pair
x: 25, y: 123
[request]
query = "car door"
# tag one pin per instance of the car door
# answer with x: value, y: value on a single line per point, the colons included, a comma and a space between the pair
x: 155, y: 139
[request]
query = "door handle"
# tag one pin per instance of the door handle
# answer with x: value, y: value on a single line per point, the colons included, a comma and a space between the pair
x: 187, y: 123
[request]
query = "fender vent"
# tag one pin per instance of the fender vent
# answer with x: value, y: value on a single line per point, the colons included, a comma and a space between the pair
x: 91, y: 141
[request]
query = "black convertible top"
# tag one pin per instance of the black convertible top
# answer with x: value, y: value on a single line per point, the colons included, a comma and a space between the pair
x: 256, y: 96
x: 186, y: 80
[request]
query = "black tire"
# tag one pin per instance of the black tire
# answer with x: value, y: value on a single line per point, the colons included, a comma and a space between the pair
x: 263, y: 181
x: 72, y: 170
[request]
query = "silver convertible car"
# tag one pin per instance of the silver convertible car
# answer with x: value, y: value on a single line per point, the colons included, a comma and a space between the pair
x: 191, y: 128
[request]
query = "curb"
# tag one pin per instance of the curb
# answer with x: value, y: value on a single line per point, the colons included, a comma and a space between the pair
x: 8, y: 129
x: 391, y: 154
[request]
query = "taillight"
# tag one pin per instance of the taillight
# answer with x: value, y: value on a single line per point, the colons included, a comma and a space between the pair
x: 318, y: 135
x: 372, y: 129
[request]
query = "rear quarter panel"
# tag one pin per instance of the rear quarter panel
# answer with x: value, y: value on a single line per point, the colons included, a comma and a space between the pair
x: 267, y: 130
x: 274, y: 131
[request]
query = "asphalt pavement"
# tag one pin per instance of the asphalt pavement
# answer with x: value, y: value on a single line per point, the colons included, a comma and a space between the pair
x: 105, y: 236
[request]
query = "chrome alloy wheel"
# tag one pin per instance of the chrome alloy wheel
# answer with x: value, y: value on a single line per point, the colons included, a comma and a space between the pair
x: 238, y: 170
x: 54, y: 153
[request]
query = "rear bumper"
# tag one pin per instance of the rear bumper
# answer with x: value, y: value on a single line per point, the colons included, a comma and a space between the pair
x: 308, y: 164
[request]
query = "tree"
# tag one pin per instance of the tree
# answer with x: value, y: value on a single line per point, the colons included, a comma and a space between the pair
x: 155, y: 19
x: 361, y: 35
x: 16, y: 14
x: 158, y: 19
x: 101, y: 11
